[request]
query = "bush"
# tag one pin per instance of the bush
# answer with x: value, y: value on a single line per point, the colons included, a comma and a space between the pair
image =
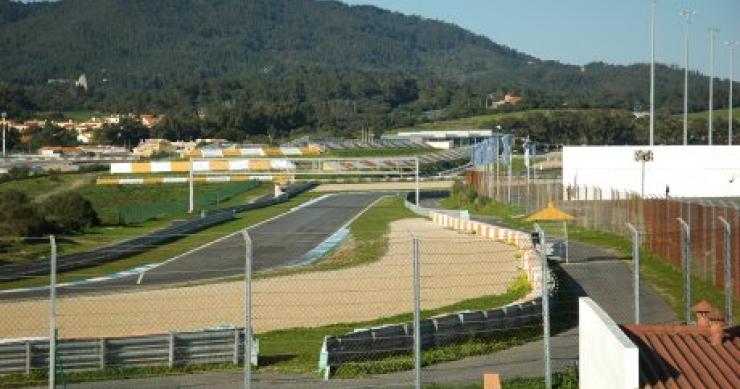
x: 69, y: 212
x: 17, y: 217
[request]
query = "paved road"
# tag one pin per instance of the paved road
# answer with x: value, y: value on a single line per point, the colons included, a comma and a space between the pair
x: 277, y: 243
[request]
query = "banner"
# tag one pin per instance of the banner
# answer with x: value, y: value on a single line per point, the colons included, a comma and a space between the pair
x: 508, y: 142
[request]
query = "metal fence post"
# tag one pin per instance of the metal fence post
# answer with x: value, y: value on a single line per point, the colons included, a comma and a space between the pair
x: 567, y: 242
x: 247, y: 309
x: 545, y: 306
x: 686, y: 259
x: 417, y: 313
x: 53, y: 314
x: 191, y: 188
x: 28, y: 357
x: 728, y: 271
x: 416, y: 162
x: 636, y: 269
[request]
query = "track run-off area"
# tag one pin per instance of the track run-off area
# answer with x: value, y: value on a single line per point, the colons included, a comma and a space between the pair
x: 454, y: 267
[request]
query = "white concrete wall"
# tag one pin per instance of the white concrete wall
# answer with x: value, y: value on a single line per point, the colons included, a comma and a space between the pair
x: 690, y: 171
x: 607, y: 358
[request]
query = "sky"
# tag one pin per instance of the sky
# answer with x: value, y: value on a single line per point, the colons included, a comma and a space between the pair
x: 583, y: 31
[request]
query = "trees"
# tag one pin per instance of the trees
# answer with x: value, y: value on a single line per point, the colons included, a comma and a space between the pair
x: 68, y: 212
x: 17, y: 216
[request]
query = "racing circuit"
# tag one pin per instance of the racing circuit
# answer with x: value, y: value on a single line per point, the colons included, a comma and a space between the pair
x: 277, y: 242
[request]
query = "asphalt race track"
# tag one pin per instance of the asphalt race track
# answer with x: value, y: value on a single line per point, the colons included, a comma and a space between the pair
x: 276, y: 243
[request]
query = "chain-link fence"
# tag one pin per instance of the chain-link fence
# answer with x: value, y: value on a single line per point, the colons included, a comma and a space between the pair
x: 435, y: 291
x: 699, y: 235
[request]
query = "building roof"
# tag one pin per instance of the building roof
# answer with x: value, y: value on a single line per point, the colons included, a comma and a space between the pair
x: 683, y: 356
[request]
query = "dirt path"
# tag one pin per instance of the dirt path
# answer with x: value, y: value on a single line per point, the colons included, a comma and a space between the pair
x: 77, y: 183
x: 454, y: 267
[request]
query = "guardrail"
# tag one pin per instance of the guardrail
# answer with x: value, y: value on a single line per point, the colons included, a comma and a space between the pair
x: 23, y: 356
x: 140, y: 244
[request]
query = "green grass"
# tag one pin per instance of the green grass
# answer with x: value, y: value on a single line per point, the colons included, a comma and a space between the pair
x: 480, y: 121
x: 722, y: 114
x: 33, y: 187
x: 164, y: 252
x: 297, y: 350
x: 106, y: 200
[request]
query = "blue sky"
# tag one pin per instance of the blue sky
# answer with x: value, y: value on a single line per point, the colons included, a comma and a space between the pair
x: 582, y: 31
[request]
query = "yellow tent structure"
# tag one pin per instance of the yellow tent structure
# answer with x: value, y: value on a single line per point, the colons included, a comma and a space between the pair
x: 549, y: 214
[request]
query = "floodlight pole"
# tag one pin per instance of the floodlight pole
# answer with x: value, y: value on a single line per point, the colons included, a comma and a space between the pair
x: 732, y: 46
x: 652, y: 73
x: 687, y: 14
x: 643, y: 156
x: 712, y: 35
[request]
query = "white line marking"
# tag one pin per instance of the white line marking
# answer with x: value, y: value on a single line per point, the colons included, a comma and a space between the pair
x: 141, y: 277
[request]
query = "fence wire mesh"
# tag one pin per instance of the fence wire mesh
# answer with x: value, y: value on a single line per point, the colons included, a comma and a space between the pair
x: 333, y: 323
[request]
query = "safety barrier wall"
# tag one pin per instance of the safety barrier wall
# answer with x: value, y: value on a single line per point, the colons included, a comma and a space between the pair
x: 173, y: 350
x: 378, y: 342
x: 522, y: 240
x: 142, y: 243
x: 201, y: 166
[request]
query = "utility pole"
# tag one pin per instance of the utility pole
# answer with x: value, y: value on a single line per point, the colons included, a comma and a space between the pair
x: 712, y: 35
x: 731, y: 45
x: 686, y: 14
x: 652, y: 73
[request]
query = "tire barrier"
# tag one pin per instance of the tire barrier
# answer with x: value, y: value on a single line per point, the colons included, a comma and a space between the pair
x: 379, y: 342
x: 140, y: 244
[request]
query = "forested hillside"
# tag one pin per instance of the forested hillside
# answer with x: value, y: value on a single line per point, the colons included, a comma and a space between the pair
x: 237, y: 68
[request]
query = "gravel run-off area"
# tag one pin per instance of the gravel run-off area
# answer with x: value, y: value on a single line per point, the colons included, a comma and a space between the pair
x: 454, y: 267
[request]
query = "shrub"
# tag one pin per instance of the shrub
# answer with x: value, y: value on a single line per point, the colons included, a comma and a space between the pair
x: 69, y: 212
x: 17, y: 217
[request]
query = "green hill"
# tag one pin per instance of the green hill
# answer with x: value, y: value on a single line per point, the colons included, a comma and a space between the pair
x: 278, y: 68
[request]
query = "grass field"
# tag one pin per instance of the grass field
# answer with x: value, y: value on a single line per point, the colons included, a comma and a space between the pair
x: 479, y: 121
x: 165, y: 203
x: 718, y: 114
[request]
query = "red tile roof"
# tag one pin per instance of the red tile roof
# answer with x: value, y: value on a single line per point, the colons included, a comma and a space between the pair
x: 683, y: 357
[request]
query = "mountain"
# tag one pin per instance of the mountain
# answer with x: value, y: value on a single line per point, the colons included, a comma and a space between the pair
x: 234, y: 68
x: 171, y: 39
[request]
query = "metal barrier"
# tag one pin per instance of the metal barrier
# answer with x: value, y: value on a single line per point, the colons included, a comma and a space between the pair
x: 175, y: 349
x: 142, y: 243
